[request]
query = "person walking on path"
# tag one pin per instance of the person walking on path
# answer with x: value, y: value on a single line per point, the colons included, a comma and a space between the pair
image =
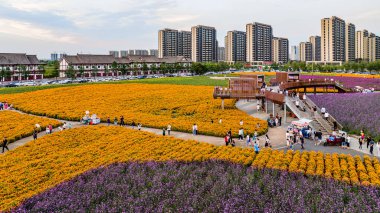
x: 50, y: 128
x: 360, y: 143
x: 279, y: 120
x: 371, y: 146
x: 169, y: 129
x: 35, y: 134
x: 108, y: 121
x: 139, y: 126
x: 248, y: 140
x: 226, y: 138
x: 368, y: 141
x: 302, y: 142
x: 121, y: 120
x: 133, y: 124
x: 5, y: 144
x: 163, y: 131
x: 257, y: 148
x: 194, y: 129
x: 327, y: 116
x: 115, y: 121
x: 241, y: 134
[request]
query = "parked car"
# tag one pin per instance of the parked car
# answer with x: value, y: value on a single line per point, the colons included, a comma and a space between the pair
x: 11, y: 85
x: 333, y: 140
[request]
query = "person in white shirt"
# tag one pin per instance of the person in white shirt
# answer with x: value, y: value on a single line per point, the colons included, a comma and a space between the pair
x: 297, y: 104
x: 326, y: 116
x: 241, y: 134
x: 304, y: 97
x: 169, y: 129
x: 323, y: 110
x: 194, y: 130
x: 258, y: 107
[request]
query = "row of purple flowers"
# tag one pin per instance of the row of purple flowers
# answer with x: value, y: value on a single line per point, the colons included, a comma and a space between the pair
x: 211, y: 186
x: 355, y: 111
x: 349, y: 82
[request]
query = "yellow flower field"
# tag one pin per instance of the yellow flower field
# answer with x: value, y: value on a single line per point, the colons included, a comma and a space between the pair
x: 35, y: 167
x: 152, y: 105
x: 15, y: 126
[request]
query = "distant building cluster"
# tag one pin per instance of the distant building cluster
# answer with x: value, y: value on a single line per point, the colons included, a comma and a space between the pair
x: 57, y: 56
x: 339, y: 42
x: 125, y: 53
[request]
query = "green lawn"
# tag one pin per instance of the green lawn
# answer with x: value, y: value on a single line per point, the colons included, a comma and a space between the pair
x: 196, y: 80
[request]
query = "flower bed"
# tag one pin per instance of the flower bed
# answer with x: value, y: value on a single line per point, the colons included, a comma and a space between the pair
x: 349, y: 82
x: 210, y: 186
x: 153, y: 105
x: 15, y: 126
x: 354, y: 111
x: 53, y: 159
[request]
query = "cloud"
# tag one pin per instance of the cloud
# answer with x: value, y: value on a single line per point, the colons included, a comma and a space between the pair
x: 29, y: 30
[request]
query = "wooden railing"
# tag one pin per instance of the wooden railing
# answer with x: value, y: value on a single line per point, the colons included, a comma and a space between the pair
x: 275, y: 97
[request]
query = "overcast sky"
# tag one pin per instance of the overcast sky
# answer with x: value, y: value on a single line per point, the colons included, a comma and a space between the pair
x: 96, y: 26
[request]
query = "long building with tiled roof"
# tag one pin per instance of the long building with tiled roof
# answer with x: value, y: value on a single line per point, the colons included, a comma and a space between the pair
x: 20, y: 66
x: 103, y: 64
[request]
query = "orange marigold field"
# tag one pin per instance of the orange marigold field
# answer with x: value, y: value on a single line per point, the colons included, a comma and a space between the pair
x: 152, y: 105
x: 53, y: 159
x: 15, y: 126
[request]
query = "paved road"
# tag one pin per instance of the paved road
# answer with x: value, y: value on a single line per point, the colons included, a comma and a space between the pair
x: 277, y: 135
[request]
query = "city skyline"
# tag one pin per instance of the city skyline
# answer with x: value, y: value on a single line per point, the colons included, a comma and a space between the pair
x: 37, y: 27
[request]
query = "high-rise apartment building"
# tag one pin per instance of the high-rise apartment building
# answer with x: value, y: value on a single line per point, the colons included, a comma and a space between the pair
x: 204, y: 44
x: 221, y: 53
x: 374, y: 48
x: 167, y: 43
x: 306, y: 51
x: 141, y: 52
x: 360, y: 43
x: 153, y: 52
x: 280, y: 50
x: 316, y: 47
x: 123, y: 53
x: 235, y: 46
x: 54, y: 56
x: 350, y: 42
x: 114, y: 53
x: 294, y: 53
x: 184, y: 44
x: 131, y: 52
x: 333, y: 37
x: 259, y: 42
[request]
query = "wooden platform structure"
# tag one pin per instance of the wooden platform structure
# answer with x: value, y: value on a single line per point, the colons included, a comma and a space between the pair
x: 292, y: 81
x: 247, y: 87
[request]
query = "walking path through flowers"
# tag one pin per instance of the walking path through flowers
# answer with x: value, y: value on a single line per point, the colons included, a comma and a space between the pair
x: 276, y: 135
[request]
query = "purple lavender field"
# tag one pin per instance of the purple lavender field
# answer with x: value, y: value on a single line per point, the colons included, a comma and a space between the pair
x: 349, y: 82
x: 355, y: 111
x: 211, y: 186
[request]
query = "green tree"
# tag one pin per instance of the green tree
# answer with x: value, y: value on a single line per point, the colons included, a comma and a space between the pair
x: 115, y: 67
x: 178, y: 67
x: 153, y: 68
x: 94, y: 71
x: 71, y: 72
x: 106, y: 70
x: 145, y: 67
x: 23, y: 72
x: 163, y: 68
x: 123, y: 69
x: 81, y: 71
